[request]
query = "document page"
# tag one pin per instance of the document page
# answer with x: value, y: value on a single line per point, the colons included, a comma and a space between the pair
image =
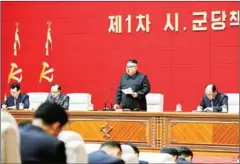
x: 127, y: 91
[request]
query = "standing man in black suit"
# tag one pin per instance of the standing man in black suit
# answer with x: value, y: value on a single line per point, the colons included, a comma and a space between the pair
x: 16, y: 97
x: 57, y: 97
x: 39, y: 143
x: 139, y: 84
x: 213, y: 101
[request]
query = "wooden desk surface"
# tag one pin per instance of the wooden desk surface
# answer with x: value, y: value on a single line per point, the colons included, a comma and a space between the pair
x: 202, y: 132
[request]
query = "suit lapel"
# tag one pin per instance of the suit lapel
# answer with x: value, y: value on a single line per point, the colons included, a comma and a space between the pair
x: 11, y: 101
x: 216, y: 101
x: 59, y: 99
x: 51, y: 99
x: 19, y: 99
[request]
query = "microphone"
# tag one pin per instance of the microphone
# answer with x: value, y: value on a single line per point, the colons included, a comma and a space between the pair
x: 105, y: 102
x: 112, y: 101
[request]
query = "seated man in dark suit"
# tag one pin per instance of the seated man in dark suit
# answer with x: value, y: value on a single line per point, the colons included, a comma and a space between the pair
x: 185, y: 155
x: 110, y: 153
x: 213, y: 101
x: 136, y: 150
x: 16, y: 98
x: 57, y: 97
x: 39, y: 143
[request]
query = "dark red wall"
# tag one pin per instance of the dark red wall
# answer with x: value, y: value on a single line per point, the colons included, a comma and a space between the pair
x: 87, y: 58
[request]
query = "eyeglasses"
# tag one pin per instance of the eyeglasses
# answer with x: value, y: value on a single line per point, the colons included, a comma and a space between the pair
x: 130, y: 66
x: 54, y: 92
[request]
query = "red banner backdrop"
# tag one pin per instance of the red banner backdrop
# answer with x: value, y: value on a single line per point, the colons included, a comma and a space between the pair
x: 181, y: 46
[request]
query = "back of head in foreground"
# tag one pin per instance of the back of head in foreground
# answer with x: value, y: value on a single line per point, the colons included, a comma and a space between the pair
x: 39, y: 143
x: 110, y: 152
x: 51, y: 118
x: 185, y: 153
x: 112, y: 148
x: 170, y: 150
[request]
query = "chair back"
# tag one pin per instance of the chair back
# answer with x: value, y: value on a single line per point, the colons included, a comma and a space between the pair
x: 154, y: 102
x: 36, y: 99
x: 10, y: 147
x: 233, y: 102
x: 80, y: 101
x: 75, y: 149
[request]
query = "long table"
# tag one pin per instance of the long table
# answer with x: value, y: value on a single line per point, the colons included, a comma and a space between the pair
x: 214, y: 133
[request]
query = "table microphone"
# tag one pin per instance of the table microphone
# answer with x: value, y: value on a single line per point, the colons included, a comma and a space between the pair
x: 111, y: 109
x: 105, y: 102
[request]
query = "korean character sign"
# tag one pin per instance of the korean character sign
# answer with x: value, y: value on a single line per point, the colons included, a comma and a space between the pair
x: 218, y: 19
x: 234, y: 18
x: 169, y: 24
x: 115, y: 24
x: 200, y: 24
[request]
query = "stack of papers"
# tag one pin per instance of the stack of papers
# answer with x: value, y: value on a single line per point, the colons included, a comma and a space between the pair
x: 127, y: 91
x: 11, y: 107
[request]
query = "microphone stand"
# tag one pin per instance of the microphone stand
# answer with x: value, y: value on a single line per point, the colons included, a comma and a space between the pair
x: 105, y: 103
x: 111, y: 107
x: 105, y: 106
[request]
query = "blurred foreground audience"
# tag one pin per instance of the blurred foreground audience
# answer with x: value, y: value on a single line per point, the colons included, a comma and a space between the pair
x: 136, y: 150
x: 185, y: 155
x: 39, y: 143
x: 110, y: 153
x: 171, y: 151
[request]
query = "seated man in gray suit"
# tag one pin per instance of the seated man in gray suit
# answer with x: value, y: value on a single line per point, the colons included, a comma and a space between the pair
x: 57, y: 97
x: 213, y: 101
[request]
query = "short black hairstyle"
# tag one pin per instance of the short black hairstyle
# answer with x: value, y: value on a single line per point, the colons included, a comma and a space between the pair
x: 58, y: 86
x: 185, y: 151
x: 133, y: 61
x: 214, y: 88
x: 170, y: 150
x: 51, y: 113
x: 135, y: 148
x: 15, y: 85
x: 112, y: 144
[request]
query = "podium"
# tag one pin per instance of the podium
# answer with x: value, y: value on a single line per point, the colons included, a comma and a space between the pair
x: 209, y: 133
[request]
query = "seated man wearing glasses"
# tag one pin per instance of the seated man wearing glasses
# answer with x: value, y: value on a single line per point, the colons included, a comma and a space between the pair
x: 138, y: 83
x: 57, y: 97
